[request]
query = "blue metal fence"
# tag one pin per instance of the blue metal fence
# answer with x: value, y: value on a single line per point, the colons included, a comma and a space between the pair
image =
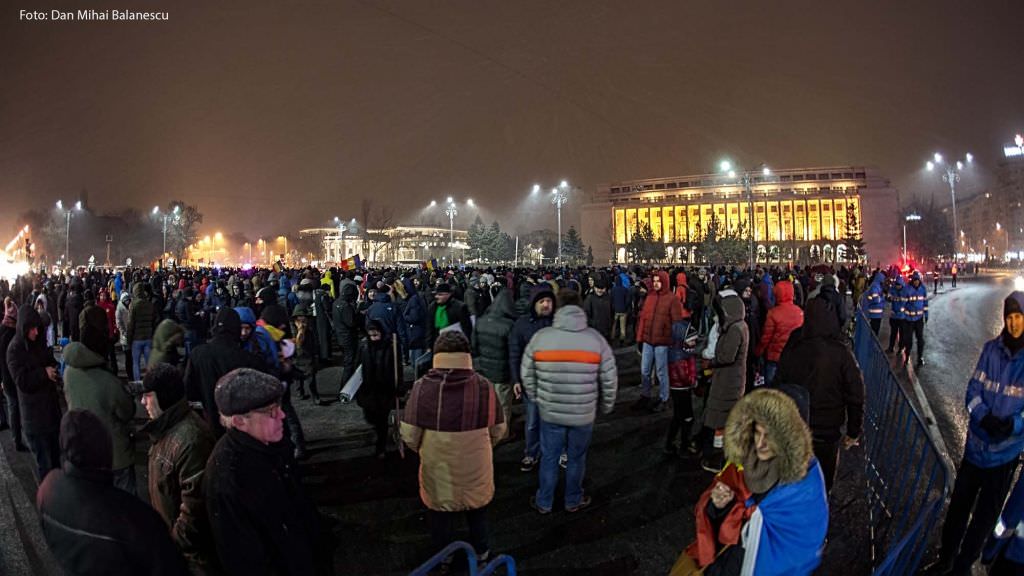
x: 907, y: 478
x: 455, y: 547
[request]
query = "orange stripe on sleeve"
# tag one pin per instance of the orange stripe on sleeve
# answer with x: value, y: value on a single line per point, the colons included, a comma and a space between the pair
x: 579, y: 356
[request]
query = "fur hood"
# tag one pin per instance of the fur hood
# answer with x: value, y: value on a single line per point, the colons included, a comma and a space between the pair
x: 787, y: 433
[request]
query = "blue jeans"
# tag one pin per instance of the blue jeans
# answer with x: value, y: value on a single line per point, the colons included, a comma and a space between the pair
x: 140, y: 353
x: 532, y: 427
x: 414, y: 355
x: 770, y: 368
x: 554, y: 440
x: 654, y: 357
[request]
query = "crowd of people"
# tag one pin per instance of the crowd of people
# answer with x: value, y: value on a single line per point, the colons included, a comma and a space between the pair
x: 755, y: 366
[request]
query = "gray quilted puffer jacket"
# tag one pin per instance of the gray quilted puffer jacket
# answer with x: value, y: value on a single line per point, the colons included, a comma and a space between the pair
x: 567, y: 367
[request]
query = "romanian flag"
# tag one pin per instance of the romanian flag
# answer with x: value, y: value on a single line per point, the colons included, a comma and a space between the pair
x: 430, y: 264
x: 277, y: 266
x: 351, y: 263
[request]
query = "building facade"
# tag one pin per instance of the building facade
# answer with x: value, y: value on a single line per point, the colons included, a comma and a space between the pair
x: 398, y: 245
x: 800, y: 215
x: 992, y: 222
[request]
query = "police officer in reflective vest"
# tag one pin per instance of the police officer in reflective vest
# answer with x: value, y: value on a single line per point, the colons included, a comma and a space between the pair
x: 874, y: 303
x: 915, y: 316
x: 895, y: 298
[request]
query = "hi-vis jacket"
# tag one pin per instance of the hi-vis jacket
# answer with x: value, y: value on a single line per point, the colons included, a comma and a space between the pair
x: 874, y: 304
x: 915, y: 302
x: 895, y: 298
x: 997, y: 388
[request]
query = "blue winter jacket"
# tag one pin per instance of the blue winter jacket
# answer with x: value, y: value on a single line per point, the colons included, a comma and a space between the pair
x: 267, y: 348
x: 383, y: 310
x: 874, y: 304
x: 415, y: 316
x: 895, y: 298
x: 620, y: 298
x: 997, y: 388
x: 915, y: 302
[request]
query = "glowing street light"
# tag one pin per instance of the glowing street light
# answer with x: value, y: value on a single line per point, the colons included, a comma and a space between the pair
x: 342, y: 228
x: 173, y: 214
x: 908, y: 218
x: 950, y: 176
x: 67, y: 228
x: 747, y: 179
x: 451, y: 210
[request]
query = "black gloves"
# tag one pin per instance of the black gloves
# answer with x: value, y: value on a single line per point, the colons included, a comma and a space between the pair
x: 997, y: 428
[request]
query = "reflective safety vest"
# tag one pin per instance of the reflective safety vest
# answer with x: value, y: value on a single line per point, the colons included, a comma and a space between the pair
x: 915, y: 302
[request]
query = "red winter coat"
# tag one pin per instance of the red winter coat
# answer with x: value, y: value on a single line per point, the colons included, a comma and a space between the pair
x: 782, y: 319
x: 661, y: 309
x: 681, y: 287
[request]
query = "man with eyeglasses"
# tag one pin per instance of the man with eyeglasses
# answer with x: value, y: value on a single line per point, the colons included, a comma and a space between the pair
x: 263, y: 521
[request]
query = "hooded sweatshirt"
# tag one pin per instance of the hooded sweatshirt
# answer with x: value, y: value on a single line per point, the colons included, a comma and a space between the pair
x: 89, y: 385
x: 27, y: 361
x: 661, y: 309
x: 782, y: 319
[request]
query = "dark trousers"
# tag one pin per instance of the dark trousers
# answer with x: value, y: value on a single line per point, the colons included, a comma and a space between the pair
x: 876, y: 325
x: 442, y: 528
x: 113, y: 357
x: 894, y: 331
x: 14, y: 414
x: 379, y: 421
x: 682, y: 416
x: 981, y: 491
x: 909, y: 331
x: 827, y: 453
x: 291, y: 421
x: 953, y: 282
x: 46, y: 450
x: 128, y: 360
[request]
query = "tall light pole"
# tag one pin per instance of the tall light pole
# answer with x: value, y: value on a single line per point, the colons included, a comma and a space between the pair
x: 67, y: 228
x: 451, y: 210
x: 173, y: 214
x: 342, y: 228
x: 747, y: 180
x: 907, y: 218
x: 951, y: 176
x: 560, y: 196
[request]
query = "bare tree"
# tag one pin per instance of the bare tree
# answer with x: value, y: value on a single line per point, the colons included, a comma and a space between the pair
x: 182, y: 228
x: 383, y: 225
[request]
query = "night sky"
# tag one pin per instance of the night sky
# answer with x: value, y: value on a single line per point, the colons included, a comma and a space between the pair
x: 274, y: 116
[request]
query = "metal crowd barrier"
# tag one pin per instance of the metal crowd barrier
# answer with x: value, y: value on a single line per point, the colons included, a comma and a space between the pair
x: 455, y: 547
x: 907, y: 479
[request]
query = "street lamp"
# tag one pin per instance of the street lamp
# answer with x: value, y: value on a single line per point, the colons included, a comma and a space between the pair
x: 908, y: 218
x: 747, y: 179
x: 951, y: 176
x: 67, y: 228
x: 451, y: 210
x: 173, y: 214
x: 342, y: 228
x: 560, y: 196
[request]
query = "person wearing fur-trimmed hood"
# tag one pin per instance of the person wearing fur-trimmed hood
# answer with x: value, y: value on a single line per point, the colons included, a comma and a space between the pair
x: 766, y: 513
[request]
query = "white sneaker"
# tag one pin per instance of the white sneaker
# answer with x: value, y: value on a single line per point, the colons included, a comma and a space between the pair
x: 563, y: 461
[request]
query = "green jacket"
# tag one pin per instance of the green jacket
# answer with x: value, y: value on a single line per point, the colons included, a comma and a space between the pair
x: 89, y: 385
x: 182, y: 443
x: 168, y: 336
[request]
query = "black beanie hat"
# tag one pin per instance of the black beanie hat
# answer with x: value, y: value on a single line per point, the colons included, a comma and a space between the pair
x: 1013, y: 303
x: 85, y: 441
x: 274, y: 315
x: 166, y: 381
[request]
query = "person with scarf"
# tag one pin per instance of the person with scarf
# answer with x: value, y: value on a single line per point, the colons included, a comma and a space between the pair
x: 376, y: 396
x: 270, y: 332
x: 453, y: 420
x: 766, y: 513
x: 995, y: 438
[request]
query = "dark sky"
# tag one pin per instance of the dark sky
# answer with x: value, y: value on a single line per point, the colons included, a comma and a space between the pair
x: 273, y: 116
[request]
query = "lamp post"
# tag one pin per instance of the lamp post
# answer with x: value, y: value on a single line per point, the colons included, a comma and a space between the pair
x: 67, y: 228
x: 907, y: 218
x: 342, y: 228
x: 950, y: 176
x: 559, y: 196
x: 174, y: 214
x: 747, y: 178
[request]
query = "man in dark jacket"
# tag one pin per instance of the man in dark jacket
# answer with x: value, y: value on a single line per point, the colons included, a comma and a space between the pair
x: 347, y: 325
x: 8, y: 329
x: 490, y: 347
x: 540, y: 315
x: 445, y: 312
x: 72, y: 309
x: 599, y: 310
x: 34, y: 371
x: 263, y: 521
x: 209, y: 361
x: 620, y: 307
x: 92, y: 527
x: 820, y: 362
x: 141, y: 324
x: 415, y: 317
x: 387, y: 313
x: 182, y: 444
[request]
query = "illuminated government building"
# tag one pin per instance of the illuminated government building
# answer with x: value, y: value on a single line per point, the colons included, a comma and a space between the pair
x: 800, y: 215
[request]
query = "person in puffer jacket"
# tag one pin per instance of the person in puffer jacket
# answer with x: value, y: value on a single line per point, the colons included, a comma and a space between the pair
x: 873, y: 302
x: 661, y: 309
x: 569, y: 369
x: 995, y: 438
x: 782, y: 319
